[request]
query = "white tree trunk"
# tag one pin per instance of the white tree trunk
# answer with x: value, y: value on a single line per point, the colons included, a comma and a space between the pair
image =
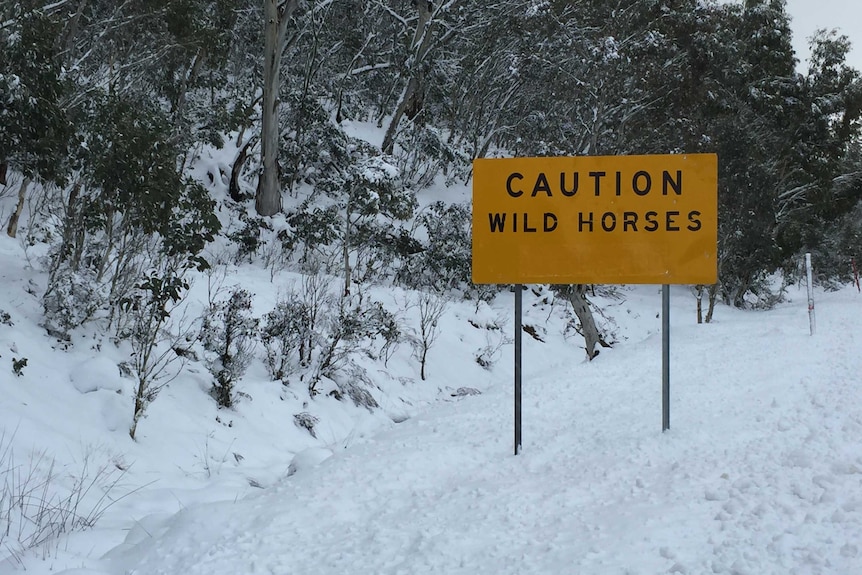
x: 576, y: 295
x: 713, y: 293
x: 276, y: 15
x: 12, y: 228
x: 420, y: 47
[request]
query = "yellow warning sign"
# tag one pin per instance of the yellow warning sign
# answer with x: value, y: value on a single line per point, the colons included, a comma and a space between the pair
x: 596, y: 219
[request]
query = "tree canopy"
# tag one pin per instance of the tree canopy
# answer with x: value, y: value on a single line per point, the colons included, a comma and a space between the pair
x: 446, y: 81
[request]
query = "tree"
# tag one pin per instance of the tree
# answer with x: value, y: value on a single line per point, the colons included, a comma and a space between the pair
x: 36, y: 124
x: 436, y: 24
x: 277, y: 15
x: 128, y: 200
x: 431, y: 309
x: 149, y: 307
x: 576, y: 295
x: 370, y: 187
x: 825, y: 148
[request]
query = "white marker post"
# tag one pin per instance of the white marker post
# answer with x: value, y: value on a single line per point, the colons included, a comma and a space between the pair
x: 808, y: 274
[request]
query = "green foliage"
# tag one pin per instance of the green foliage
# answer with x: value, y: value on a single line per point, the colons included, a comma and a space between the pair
x: 374, y: 188
x: 37, y: 126
x: 127, y: 158
x: 314, y: 147
x: 825, y: 183
x: 445, y: 258
x: 156, y: 292
x: 129, y: 206
x: 192, y: 224
x: 247, y: 238
x: 364, y: 196
x: 366, y: 322
x: 311, y: 228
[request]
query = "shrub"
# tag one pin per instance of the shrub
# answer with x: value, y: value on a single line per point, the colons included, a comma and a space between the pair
x: 146, y: 312
x: 36, y: 508
x: 18, y: 365
x: 285, y: 336
x: 347, y: 331
x: 228, y: 332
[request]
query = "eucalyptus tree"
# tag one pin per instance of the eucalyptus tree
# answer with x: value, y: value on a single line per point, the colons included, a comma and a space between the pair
x: 488, y: 78
x: 277, y: 16
x: 729, y: 87
x: 34, y: 91
x: 825, y: 182
x: 424, y: 55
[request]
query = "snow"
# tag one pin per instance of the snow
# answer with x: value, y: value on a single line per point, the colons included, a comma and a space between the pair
x: 760, y: 472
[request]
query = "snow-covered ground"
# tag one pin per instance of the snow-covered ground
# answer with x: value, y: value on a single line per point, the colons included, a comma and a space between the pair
x: 760, y: 473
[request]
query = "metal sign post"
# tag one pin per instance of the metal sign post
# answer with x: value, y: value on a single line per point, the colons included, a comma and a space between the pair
x: 519, y: 297
x: 665, y: 357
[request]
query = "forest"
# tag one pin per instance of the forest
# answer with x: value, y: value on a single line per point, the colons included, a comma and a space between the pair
x: 107, y: 107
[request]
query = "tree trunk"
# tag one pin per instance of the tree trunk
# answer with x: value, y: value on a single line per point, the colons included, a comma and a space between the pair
x: 268, y: 196
x: 411, y: 98
x: 346, y: 250
x: 12, y: 228
x: 65, y: 42
x: 189, y: 78
x: 140, y: 405
x: 713, y: 294
x: 576, y: 295
x: 411, y: 93
x: 238, y: 163
x: 698, y: 294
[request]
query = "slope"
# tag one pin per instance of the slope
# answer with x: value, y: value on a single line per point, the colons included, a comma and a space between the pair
x: 761, y: 471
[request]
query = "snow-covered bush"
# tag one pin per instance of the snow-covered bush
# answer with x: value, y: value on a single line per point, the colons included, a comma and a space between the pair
x: 306, y: 421
x: 72, y: 298
x: 312, y: 229
x: 312, y: 334
x: 285, y: 336
x: 18, y: 366
x: 352, y: 328
x: 422, y: 153
x: 228, y: 334
x: 444, y: 260
x: 248, y: 237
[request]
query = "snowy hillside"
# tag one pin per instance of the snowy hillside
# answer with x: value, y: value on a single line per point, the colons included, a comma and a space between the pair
x: 761, y: 471
x: 239, y: 332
